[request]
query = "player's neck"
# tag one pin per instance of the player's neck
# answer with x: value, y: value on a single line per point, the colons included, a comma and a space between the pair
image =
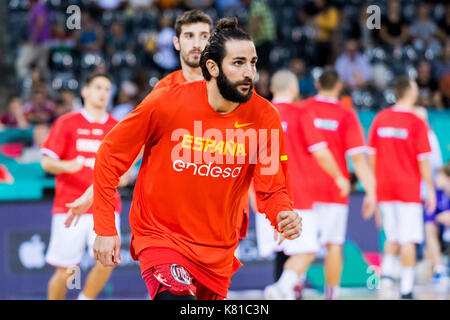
x: 282, y: 98
x: 404, y: 105
x: 217, y: 101
x: 96, y: 114
x: 328, y: 93
x: 191, y: 74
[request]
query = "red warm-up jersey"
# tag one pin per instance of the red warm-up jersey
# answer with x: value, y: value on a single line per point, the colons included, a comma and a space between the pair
x: 398, y: 139
x: 188, y: 194
x: 343, y: 133
x: 76, y: 135
x: 301, y: 139
x: 177, y: 77
x: 171, y: 79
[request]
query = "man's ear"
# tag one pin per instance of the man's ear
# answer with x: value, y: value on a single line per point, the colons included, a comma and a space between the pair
x: 317, y: 85
x: 84, y: 92
x: 176, y: 43
x: 213, y: 68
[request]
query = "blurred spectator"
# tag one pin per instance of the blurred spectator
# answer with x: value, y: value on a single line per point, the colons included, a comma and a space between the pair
x: 33, y: 153
x: 108, y: 4
x: 15, y: 116
x: 394, y: 28
x: 40, y: 108
x: 198, y: 4
x: 61, y: 40
x: 165, y: 57
x: 424, y: 31
x: 117, y: 39
x: 91, y: 36
x: 442, y: 66
x: 326, y: 23
x: 305, y: 82
x: 35, y: 50
x: 444, y: 86
x: 141, y: 78
x: 70, y: 101
x: 353, y: 67
x: 168, y: 4
x: 140, y: 5
x: 356, y: 28
x: 444, y: 24
x: 262, y: 85
x: 261, y: 27
x: 429, y: 95
x: 127, y: 100
x: 65, y: 103
x: 223, y: 5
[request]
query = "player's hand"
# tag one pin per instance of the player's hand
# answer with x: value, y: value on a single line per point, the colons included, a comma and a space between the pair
x: 72, y: 166
x: 369, y: 206
x: 344, y: 185
x: 278, y: 237
x: 107, y: 250
x: 430, y: 203
x: 79, y: 206
x: 289, y: 224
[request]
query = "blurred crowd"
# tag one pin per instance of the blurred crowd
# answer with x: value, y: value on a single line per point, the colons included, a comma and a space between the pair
x: 51, y: 49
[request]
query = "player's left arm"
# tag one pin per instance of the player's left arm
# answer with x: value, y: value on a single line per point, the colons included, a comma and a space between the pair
x: 427, y: 177
x: 423, y: 154
x: 356, y: 149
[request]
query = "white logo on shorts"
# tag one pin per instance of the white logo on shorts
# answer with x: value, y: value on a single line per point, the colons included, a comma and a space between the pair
x: 180, y: 274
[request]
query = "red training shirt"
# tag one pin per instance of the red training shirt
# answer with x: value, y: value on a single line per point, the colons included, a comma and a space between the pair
x: 188, y: 194
x: 399, y: 139
x: 76, y: 135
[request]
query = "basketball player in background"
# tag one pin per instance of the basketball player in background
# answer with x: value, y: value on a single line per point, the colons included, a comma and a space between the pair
x: 304, y: 144
x: 399, y: 155
x: 69, y: 153
x: 343, y: 133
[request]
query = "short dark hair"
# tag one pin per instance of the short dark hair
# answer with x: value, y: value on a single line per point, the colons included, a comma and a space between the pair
x: 90, y: 77
x: 226, y: 29
x: 190, y: 17
x: 401, y: 85
x: 329, y: 78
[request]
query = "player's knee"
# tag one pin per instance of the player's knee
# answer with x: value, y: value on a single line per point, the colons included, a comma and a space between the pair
x: 334, y: 248
x: 63, y: 273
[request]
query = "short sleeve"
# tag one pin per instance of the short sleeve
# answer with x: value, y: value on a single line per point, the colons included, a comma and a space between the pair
x: 56, y: 143
x: 353, y: 135
x: 313, y: 137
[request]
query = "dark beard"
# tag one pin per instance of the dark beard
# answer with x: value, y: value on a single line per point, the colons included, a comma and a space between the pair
x: 191, y: 64
x: 229, y: 90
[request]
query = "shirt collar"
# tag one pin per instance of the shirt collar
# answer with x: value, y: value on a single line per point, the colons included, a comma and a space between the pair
x: 90, y: 119
x: 323, y: 98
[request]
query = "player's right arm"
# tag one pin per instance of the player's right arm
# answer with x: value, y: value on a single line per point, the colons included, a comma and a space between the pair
x: 56, y: 166
x: 318, y: 147
x: 326, y: 161
x: 119, y: 149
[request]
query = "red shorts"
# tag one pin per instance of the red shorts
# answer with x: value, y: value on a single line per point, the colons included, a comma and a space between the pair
x: 177, y: 280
